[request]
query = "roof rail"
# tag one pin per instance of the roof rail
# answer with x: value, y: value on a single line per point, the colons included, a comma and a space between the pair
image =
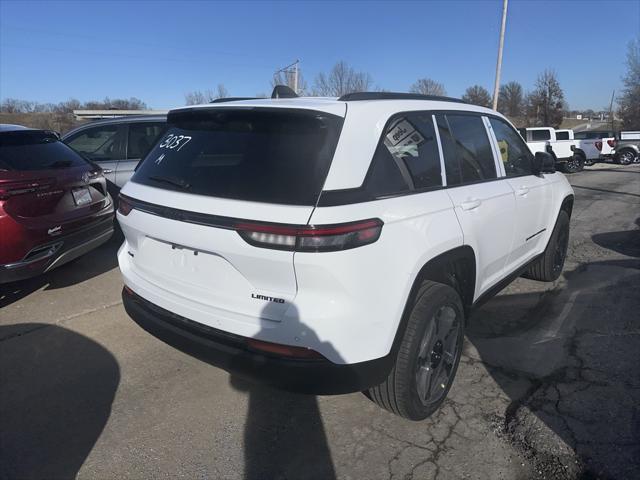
x: 357, y: 96
x: 282, y: 91
x: 231, y: 99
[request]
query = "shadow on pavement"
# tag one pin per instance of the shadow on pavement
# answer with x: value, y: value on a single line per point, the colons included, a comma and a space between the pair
x: 56, y: 393
x: 577, y: 348
x: 92, y: 264
x: 602, y: 190
x: 625, y: 242
x: 284, y: 436
x: 615, y: 170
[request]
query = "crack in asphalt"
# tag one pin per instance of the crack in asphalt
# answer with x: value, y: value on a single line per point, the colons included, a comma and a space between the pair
x: 60, y: 321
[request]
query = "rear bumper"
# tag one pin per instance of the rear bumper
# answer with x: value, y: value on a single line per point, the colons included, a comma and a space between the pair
x: 58, y: 252
x: 232, y: 353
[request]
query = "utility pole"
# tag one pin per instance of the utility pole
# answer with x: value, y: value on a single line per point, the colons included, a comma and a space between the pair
x: 291, y: 69
x: 496, y: 88
x: 611, y: 109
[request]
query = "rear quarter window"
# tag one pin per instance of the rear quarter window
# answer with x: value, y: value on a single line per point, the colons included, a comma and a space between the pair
x: 263, y: 155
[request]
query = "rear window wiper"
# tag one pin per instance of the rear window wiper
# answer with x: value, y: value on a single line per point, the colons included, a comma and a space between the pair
x: 176, y: 182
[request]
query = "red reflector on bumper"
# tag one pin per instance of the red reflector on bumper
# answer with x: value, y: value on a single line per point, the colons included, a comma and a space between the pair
x: 283, y: 350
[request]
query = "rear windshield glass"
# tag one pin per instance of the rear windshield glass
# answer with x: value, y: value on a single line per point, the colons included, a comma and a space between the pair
x: 262, y: 155
x: 35, y: 150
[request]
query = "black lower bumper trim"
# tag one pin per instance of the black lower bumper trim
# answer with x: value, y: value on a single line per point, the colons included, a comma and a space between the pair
x: 69, y: 248
x: 231, y: 353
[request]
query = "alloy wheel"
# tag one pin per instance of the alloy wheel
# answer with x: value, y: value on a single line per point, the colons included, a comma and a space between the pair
x: 437, y: 355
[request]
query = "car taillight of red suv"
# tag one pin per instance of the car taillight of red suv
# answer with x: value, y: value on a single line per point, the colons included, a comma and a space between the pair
x: 54, y: 204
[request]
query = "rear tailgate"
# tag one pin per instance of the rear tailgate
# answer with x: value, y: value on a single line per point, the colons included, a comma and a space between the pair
x: 212, y: 172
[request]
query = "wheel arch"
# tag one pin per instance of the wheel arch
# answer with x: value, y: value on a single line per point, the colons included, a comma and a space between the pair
x: 579, y: 151
x: 628, y: 148
x: 567, y: 205
x: 455, y: 268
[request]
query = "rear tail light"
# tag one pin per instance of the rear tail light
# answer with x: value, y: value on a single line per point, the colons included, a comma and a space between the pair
x: 598, y: 145
x: 124, y: 207
x: 11, y: 189
x: 311, y: 238
x: 612, y: 142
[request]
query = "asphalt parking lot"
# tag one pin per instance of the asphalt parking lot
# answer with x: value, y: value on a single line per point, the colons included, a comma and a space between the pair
x: 548, y: 387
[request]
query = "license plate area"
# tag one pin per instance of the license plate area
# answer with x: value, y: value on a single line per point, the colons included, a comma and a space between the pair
x: 81, y: 196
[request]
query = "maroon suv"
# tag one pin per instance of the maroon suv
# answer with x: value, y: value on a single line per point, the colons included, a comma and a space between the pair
x: 54, y: 204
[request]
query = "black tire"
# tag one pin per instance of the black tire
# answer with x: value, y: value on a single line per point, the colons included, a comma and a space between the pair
x: 574, y: 164
x: 549, y: 266
x: 430, y: 351
x: 589, y: 162
x: 625, y: 157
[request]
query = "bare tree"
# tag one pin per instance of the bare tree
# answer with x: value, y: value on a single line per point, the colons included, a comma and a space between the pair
x: 427, y: 86
x: 198, y: 97
x: 511, y: 100
x: 545, y: 103
x: 629, y: 101
x: 132, y: 103
x: 14, y: 105
x: 342, y: 79
x: 477, y: 95
x: 222, y: 91
x: 68, y: 106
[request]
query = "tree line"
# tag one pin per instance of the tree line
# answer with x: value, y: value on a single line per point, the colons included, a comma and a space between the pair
x: 544, y: 105
x: 13, y: 105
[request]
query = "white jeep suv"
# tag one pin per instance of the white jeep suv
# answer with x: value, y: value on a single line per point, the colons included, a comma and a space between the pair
x: 336, y: 245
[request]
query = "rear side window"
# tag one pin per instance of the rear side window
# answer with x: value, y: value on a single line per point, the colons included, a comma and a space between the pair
x: 411, y: 140
x: 142, y: 137
x: 466, y: 148
x: 35, y: 150
x: 540, y: 135
x: 262, y: 155
x: 407, y: 157
x: 562, y: 135
x: 385, y: 177
x: 99, y: 143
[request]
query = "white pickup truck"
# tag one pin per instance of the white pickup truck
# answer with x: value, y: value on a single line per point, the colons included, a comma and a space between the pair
x: 594, y: 146
x: 597, y: 145
x: 562, y: 147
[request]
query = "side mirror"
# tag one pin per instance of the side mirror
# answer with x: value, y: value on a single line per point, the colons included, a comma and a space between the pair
x: 543, y: 162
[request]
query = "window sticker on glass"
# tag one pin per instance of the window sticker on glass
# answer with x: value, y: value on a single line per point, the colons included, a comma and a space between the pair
x: 403, y: 139
x: 504, y: 150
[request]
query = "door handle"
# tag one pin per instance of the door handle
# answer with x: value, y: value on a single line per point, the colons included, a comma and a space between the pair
x: 470, y: 204
x: 107, y: 170
x: 522, y: 191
